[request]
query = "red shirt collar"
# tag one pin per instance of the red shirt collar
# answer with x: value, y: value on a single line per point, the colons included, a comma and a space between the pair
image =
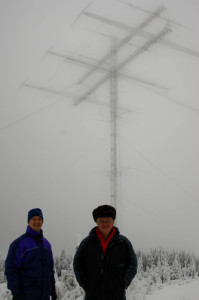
x: 104, y: 243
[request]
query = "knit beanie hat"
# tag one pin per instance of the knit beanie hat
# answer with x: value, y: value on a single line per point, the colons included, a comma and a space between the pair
x: 35, y: 212
x: 104, y: 211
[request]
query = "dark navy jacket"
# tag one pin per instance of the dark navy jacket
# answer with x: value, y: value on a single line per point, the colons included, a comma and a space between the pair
x: 105, y: 275
x: 29, y: 266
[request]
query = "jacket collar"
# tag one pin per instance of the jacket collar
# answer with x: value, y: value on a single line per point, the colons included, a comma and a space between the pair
x: 34, y: 234
x: 93, y: 232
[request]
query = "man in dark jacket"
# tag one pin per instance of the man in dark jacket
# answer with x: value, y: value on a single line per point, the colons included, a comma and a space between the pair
x: 29, y: 266
x: 105, y: 262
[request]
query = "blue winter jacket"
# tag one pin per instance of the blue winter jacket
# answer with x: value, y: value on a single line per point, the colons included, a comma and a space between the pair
x: 29, y: 266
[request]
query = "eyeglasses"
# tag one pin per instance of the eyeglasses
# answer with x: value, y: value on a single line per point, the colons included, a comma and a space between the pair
x: 104, y: 222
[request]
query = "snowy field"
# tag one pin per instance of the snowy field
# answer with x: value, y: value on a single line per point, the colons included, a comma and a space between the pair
x: 188, y: 291
x: 181, y: 291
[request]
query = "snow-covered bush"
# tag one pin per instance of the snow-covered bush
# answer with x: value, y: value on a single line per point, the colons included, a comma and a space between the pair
x: 2, y: 268
x: 163, y: 266
x: 5, y: 294
x: 66, y: 284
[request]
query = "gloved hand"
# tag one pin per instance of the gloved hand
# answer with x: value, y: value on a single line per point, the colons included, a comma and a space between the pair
x: 17, y: 297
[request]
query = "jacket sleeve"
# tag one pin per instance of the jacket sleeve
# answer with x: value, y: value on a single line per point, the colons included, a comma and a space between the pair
x: 131, y: 265
x: 79, y: 266
x: 12, y: 268
x: 52, y: 279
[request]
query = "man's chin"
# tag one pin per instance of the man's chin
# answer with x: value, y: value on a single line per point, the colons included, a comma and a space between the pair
x: 37, y: 228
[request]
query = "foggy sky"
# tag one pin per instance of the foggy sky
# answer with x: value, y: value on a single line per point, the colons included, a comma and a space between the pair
x: 56, y: 155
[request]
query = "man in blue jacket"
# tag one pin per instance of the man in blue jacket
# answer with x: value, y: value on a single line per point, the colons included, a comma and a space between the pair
x: 105, y: 262
x: 29, y: 266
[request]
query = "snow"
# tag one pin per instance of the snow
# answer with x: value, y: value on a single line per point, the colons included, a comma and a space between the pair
x: 181, y: 291
x: 4, y: 292
x: 162, y: 275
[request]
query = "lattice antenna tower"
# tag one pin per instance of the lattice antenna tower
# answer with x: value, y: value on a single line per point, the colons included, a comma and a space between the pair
x: 111, y: 70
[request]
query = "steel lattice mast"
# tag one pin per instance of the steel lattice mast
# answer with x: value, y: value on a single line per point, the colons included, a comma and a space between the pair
x: 111, y: 70
x: 113, y: 126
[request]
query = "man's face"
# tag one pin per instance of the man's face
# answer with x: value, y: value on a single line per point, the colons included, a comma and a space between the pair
x: 36, y: 223
x: 105, y: 225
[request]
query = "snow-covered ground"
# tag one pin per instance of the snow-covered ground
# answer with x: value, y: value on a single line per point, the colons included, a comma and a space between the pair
x: 186, y: 291
x: 180, y: 291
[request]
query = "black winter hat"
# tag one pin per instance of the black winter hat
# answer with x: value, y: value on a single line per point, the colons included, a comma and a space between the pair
x: 35, y: 212
x: 104, y: 211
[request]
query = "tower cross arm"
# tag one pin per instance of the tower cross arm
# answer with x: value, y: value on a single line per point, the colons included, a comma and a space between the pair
x: 144, y: 33
x: 133, y: 33
x: 84, y: 61
x: 146, y: 46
